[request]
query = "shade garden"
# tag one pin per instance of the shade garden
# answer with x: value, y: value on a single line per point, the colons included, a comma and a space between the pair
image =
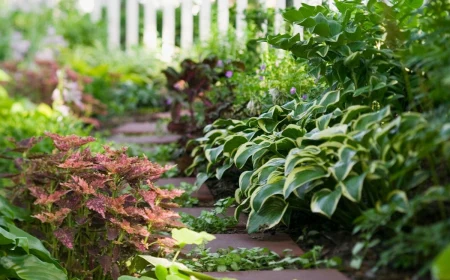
x: 323, y: 154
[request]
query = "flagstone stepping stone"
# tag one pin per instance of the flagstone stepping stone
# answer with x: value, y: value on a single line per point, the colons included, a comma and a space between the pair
x: 167, y: 115
x: 310, y: 274
x: 145, y: 139
x: 203, y: 194
x: 196, y: 211
x: 274, y: 242
x: 141, y: 128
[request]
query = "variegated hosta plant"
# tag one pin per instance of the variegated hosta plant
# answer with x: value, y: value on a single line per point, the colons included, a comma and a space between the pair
x: 95, y: 211
x: 316, y: 157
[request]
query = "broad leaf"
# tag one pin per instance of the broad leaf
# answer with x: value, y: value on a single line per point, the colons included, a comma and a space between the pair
x: 352, y: 187
x: 268, y: 216
x: 302, y: 175
x: 263, y: 193
x: 29, y: 267
x: 325, y: 201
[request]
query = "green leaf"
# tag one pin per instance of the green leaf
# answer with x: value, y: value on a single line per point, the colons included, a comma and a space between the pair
x: 325, y: 201
x: 244, y: 153
x: 268, y: 216
x: 323, y: 121
x: 399, y: 199
x: 162, y: 261
x: 293, y: 131
x: 3, y: 76
x: 221, y: 170
x: 364, y: 121
x: 233, y: 143
x: 161, y: 272
x: 213, y: 154
x: 302, y: 175
x: 327, y: 133
x: 351, y: 112
x: 263, y: 193
x: 330, y: 98
x: 440, y: 268
x: 245, y: 180
x: 12, y: 212
x: 29, y: 267
x: 186, y: 236
x: 345, y: 164
x: 352, y: 187
x: 201, y: 179
x: 124, y: 277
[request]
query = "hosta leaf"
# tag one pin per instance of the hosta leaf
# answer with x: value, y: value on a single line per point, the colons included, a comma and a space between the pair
x: 201, y: 179
x: 195, y: 163
x: 245, y: 180
x: 213, y: 134
x: 268, y: 216
x: 29, y: 267
x: 245, y: 152
x: 34, y: 244
x: 293, y: 131
x: 284, y: 144
x: 222, y: 169
x: 352, y: 187
x: 327, y: 133
x: 400, y: 200
x: 345, y: 164
x: 233, y: 143
x: 264, y: 192
x: 306, y: 188
x: 325, y: 201
x: 353, y: 111
x: 11, y: 211
x: 302, y: 175
x: 366, y: 120
x: 330, y: 98
x: 323, y: 121
x: 213, y: 154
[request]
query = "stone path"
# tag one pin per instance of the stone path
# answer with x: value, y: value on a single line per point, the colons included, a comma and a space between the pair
x: 145, y: 135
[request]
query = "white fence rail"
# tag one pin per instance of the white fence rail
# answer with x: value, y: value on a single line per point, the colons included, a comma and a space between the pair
x: 150, y: 8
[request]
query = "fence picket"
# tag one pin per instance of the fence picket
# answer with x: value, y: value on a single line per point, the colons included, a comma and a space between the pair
x: 241, y: 23
x: 113, y: 24
x: 205, y: 20
x: 168, y: 32
x: 223, y: 16
x: 96, y: 14
x: 150, y: 32
x: 279, y: 22
x: 187, y: 25
x: 132, y: 23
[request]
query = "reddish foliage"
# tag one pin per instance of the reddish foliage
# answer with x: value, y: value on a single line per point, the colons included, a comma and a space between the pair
x: 106, y: 201
x: 38, y: 83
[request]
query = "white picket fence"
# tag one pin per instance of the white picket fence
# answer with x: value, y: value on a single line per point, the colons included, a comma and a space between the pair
x: 150, y: 7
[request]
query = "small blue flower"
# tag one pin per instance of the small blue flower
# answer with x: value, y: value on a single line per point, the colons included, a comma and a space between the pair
x: 219, y: 63
x: 304, y: 96
x: 229, y: 74
x: 293, y: 90
x: 261, y: 78
x: 262, y: 67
